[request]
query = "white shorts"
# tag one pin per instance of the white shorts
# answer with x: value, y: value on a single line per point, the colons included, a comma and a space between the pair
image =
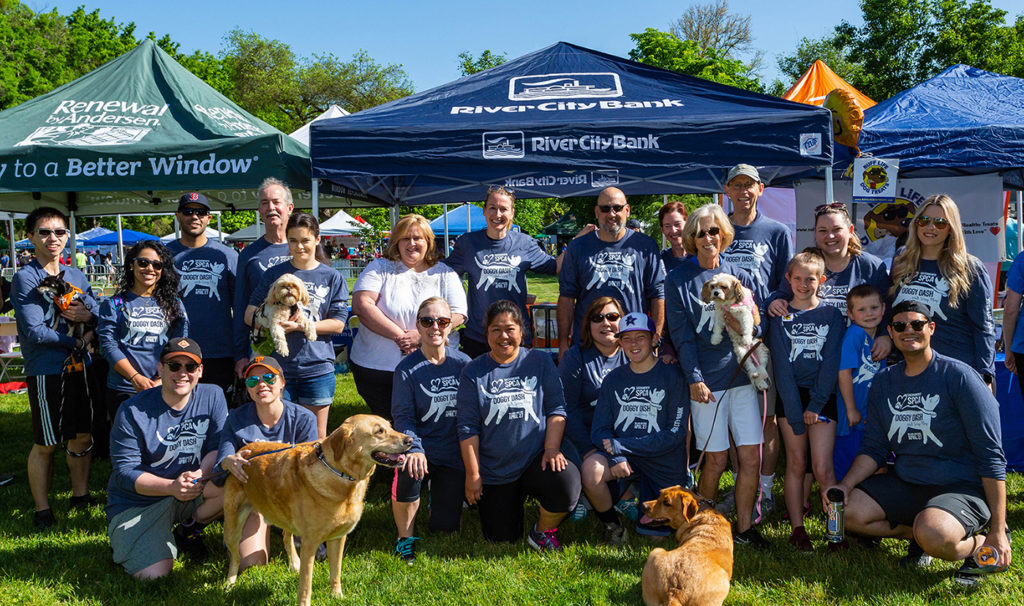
x: 738, y: 412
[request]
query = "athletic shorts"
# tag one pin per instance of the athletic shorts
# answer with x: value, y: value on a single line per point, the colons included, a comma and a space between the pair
x: 902, y: 501
x: 447, y: 493
x: 141, y: 536
x: 311, y: 391
x: 738, y: 413
x: 61, y: 407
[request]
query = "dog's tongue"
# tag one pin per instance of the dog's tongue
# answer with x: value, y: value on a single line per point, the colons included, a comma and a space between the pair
x: 646, y: 519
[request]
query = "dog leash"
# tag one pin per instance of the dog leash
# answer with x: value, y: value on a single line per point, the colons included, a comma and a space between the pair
x: 225, y: 472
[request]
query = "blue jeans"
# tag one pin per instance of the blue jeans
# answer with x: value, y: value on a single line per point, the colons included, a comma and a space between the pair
x: 311, y: 391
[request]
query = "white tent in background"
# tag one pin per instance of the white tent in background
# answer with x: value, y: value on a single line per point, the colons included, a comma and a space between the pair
x: 211, y: 233
x: 248, y: 234
x: 340, y: 224
x: 302, y: 134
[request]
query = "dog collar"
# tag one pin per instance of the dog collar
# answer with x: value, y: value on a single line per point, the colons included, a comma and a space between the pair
x: 320, y: 455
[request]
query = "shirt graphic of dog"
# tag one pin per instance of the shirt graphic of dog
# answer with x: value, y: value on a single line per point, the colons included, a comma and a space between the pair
x: 612, y: 266
x: 145, y: 325
x: 707, y: 312
x: 510, y: 394
x: 500, y: 268
x: 913, y: 412
x: 183, y: 442
x: 443, y: 392
x: 202, y: 274
x: 806, y: 340
x: 927, y: 288
x: 639, y: 403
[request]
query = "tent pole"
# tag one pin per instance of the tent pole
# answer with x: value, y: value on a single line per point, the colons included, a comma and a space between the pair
x: 257, y: 226
x: 120, y: 242
x: 829, y: 196
x: 664, y: 201
x: 177, y: 228
x: 469, y: 218
x: 74, y: 237
x: 219, y: 229
x: 394, y: 217
x: 14, y: 253
x: 446, y: 248
x: 316, y: 199
x: 1020, y: 208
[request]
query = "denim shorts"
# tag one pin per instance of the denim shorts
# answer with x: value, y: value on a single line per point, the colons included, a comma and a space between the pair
x: 311, y: 391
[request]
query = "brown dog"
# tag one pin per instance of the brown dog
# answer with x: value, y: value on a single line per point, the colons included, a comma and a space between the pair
x: 697, y: 573
x: 310, y: 492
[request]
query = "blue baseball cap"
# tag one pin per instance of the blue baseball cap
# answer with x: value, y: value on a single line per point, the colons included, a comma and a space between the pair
x: 635, y: 321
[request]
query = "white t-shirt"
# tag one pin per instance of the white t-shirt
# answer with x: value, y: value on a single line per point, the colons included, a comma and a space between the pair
x: 401, y: 290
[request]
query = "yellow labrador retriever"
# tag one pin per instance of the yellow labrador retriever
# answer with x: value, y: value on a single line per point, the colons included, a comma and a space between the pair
x: 314, y: 490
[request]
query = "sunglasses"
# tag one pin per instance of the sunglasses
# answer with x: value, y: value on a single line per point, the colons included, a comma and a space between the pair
x: 823, y: 208
x: 607, y: 208
x: 917, y: 325
x: 190, y: 367
x: 269, y: 378
x: 711, y: 231
x: 442, y: 323
x: 143, y: 263
x: 45, y: 232
x: 194, y: 212
x: 612, y: 316
x: 940, y: 222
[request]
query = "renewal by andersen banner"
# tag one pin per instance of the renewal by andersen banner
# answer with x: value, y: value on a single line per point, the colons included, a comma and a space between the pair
x: 141, y: 122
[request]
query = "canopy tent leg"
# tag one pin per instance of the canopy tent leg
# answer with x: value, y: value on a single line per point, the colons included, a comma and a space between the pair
x: 14, y: 254
x: 316, y: 199
x: 829, y: 196
x: 445, y: 211
x: 74, y: 236
x: 394, y: 217
x: 220, y: 230
x: 120, y: 242
x: 258, y: 234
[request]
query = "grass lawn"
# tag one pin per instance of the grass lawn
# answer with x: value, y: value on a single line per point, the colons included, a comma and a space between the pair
x: 72, y: 565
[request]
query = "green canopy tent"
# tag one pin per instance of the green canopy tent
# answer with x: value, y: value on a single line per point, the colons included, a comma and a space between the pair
x: 566, y: 226
x: 132, y: 135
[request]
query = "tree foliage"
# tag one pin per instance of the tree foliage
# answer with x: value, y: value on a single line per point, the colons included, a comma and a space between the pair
x: 469, y: 65
x: 662, y: 49
x: 713, y: 27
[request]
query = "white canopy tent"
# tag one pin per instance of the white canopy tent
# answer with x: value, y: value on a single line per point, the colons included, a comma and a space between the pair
x: 302, y: 134
x: 340, y: 224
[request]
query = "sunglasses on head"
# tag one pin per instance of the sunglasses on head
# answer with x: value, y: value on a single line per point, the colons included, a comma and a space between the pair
x: 143, y: 262
x: 45, y: 232
x: 940, y: 222
x: 194, y: 212
x: 442, y: 323
x: 269, y: 378
x: 917, y: 325
x: 190, y: 367
x: 607, y: 208
x: 612, y: 316
x: 822, y: 208
x: 711, y: 231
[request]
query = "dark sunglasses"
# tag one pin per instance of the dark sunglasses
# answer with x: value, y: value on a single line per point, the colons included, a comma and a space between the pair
x: 269, y: 378
x: 612, y: 316
x: 607, y: 208
x: 190, y: 367
x: 442, y: 323
x: 822, y: 208
x: 194, y: 212
x: 940, y: 222
x: 143, y: 262
x: 45, y: 232
x: 711, y: 231
x: 917, y: 325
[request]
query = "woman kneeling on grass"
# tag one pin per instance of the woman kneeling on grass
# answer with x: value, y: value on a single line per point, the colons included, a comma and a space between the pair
x: 805, y: 348
x: 649, y: 399
x: 511, y: 416
x: 423, y: 407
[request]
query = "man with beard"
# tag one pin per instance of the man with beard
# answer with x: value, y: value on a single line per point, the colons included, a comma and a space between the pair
x: 614, y: 262
x: 207, y: 272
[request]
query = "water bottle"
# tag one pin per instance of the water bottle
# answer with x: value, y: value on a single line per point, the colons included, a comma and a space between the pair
x: 835, y: 529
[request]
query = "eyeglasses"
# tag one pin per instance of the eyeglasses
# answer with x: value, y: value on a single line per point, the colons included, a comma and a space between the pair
x: 940, y: 222
x: 917, y: 325
x: 607, y: 208
x: 824, y: 208
x: 45, y: 232
x: 269, y: 378
x: 442, y: 323
x: 194, y: 212
x: 711, y: 231
x: 612, y: 316
x: 143, y: 263
x: 190, y: 367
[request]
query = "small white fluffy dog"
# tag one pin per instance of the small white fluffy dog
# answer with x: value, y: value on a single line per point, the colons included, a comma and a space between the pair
x: 287, y: 295
x: 730, y: 297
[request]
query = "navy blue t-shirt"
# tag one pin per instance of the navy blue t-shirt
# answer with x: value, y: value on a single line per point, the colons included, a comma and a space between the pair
x: 296, y: 425
x: 133, y: 327
x: 763, y: 249
x: 207, y: 283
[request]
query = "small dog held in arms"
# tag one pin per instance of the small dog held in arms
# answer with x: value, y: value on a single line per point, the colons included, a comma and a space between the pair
x: 698, y: 571
x: 314, y: 491
x: 731, y: 297
x: 285, y: 300
x: 61, y: 294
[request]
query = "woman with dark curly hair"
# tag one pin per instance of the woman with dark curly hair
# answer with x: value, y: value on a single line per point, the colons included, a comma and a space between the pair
x: 135, y: 323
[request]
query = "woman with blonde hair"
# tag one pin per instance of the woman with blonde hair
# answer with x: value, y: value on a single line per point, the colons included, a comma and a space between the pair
x: 386, y: 297
x: 936, y: 269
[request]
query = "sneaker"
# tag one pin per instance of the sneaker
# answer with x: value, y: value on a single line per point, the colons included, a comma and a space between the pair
x: 727, y: 504
x: 799, y: 539
x: 405, y: 548
x: 321, y: 553
x: 916, y: 557
x: 81, y: 502
x: 6, y: 478
x: 628, y: 508
x: 614, y: 534
x: 985, y: 561
x: 544, y: 541
x: 189, y: 539
x: 751, y: 537
x: 44, y: 519
x: 763, y: 509
x: 579, y: 513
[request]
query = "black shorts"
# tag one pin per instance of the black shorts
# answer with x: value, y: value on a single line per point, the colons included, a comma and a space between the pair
x: 828, y: 411
x: 447, y: 492
x: 62, y: 407
x: 501, y: 507
x: 902, y: 501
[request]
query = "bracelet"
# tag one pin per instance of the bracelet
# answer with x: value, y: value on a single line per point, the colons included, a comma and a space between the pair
x: 133, y: 376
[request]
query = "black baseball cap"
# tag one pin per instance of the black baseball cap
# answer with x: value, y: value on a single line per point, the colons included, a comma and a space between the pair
x: 182, y: 346
x: 193, y: 197
x: 268, y: 362
x: 913, y: 307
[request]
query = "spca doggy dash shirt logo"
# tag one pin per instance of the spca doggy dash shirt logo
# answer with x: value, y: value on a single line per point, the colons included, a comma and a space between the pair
x: 806, y: 340
x: 612, y: 267
x: 927, y: 288
x: 201, y: 277
x: 638, y: 408
x: 912, y: 415
x: 183, y: 443
x: 511, y: 398
x: 498, y: 268
x: 443, y: 392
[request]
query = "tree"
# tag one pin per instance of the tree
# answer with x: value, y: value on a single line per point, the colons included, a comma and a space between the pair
x: 712, y: 26
x: 662, y: 49
x: 468, y: 65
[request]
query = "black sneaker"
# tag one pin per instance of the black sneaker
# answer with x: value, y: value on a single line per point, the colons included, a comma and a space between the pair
x: 405, y: 548
x: 751, y: 537
x: 916, y: 557
x: 81, y: 502
x: 189, y: 540
x: 321, y: 549
x: 985, y: 561
x: 44, y: 520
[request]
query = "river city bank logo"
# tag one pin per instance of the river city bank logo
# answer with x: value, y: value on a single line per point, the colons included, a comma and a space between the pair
x: 504, y: 144
x: 595, y: 85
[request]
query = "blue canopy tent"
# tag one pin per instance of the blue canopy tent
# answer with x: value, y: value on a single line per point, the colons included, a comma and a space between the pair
x: 128, y: 236
x: 565, y: 121
x: 459, y: 223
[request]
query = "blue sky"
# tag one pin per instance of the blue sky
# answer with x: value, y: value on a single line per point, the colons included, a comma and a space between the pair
x: 426, y: 37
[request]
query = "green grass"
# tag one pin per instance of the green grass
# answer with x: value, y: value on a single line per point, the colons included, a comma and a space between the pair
x: 72, y: 565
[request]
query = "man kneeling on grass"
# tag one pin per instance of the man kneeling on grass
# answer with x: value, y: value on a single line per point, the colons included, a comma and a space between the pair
x: 948, y: 483
x: 164, y: 440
